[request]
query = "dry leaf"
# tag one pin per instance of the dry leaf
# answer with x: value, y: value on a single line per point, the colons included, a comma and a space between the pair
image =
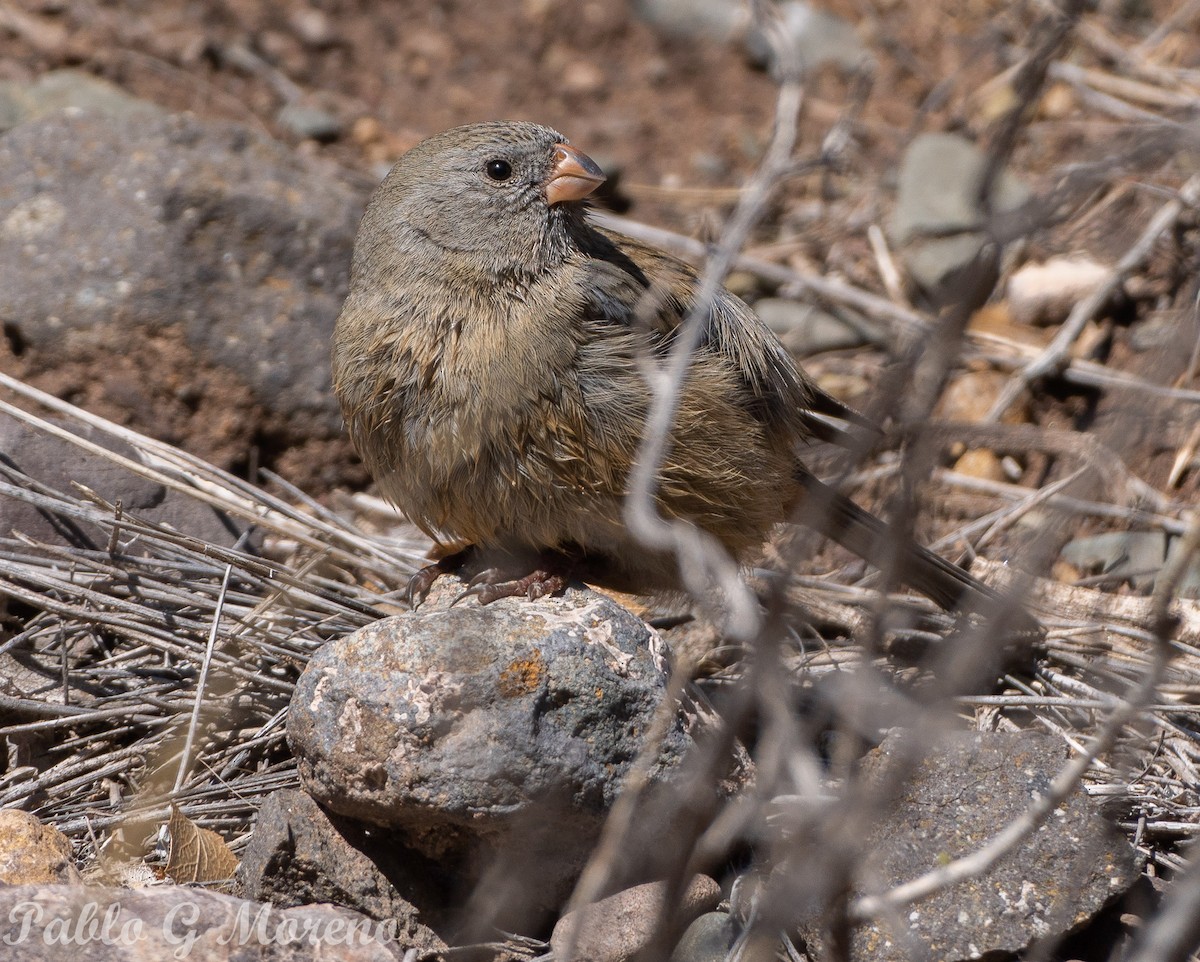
x: 197, y: 854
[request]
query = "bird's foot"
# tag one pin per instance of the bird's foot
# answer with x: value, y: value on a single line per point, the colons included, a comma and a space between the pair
x: 420, y: 584
x: 491, y: 584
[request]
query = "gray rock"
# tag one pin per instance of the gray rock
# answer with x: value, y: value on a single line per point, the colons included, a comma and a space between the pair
x: 125, y: 227
x: 59, y: 465
x: 493, y: 739
x: 311, y: 122
x: 617, y: 928
x: 935, y: 262
x: 817, y: 38
x: 45, y: 923
x: 806, y: 330
x: 300, y: 854
x: 1137, y: 556
x: 453, y: 721
x: 1134, y: 556
x: 938, y: 219
x: 67, y: 90
x: 708, y: 939
x: 960, y: 795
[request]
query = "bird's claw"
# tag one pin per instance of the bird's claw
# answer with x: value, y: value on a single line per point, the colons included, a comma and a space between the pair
x: 486, y: 586
x: 420, y: 584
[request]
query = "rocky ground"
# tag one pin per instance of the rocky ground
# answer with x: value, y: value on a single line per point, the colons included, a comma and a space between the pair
x: 207, y: 671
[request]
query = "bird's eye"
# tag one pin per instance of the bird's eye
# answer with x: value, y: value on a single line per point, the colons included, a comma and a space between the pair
x: 498, y: 169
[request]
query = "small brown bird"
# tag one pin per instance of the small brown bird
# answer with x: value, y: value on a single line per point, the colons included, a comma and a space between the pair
x: 487, y: 364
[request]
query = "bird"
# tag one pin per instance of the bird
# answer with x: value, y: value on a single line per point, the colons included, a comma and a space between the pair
x: 490, y: 364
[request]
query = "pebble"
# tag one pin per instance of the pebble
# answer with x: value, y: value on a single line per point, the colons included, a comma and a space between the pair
x: 616, y: 928
x: 817, y: 37
x: 1045, y: 293
x: 581, y: 77
x: 708, y: 939
x: 32, y: 853
x: 937, y: 221
x: 981, y: 463
x: 1137, y: 556
x: 310, y: 122
x: 313, y: 27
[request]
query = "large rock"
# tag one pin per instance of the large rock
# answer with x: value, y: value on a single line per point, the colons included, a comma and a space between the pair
x: 960, y: 795
x: 300, y: 854
x: 451, y: 721
x: 135, y: 236
x: 495, y: 738
x: 72, y: 90
x: 59, y: 465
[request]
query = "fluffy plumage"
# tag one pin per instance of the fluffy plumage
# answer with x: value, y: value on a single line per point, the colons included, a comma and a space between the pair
x: 486, y: 361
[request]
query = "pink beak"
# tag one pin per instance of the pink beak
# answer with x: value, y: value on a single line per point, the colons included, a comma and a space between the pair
x: 573, y: 176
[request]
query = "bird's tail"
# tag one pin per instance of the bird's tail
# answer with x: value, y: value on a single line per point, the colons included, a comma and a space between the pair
x: 837, y: 517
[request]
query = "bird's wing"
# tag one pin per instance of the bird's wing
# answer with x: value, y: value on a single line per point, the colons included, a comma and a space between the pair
x: 779, y: 393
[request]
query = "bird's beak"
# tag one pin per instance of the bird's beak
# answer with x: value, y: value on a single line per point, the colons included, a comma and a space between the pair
x: 573, y: 176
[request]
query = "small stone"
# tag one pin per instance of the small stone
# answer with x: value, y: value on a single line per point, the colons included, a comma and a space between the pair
x: 742, y: 283
x: 313, y: 27
x: 1058, y: 102
x: 32, y: 853
x: 581, y: 77
x: 310, y: 122
x: 817, y: 37
x: 1045, y: 293
x: 366, y: 130
x: 616, y: 928
x: 969, y: 397
x: 709, y: 165
x: 1158, y: 330
x: 980, y: 463
x: 1135, y: 556
x: 993, y: 101
x: 937, y: 222
x: 939, y: 180
x: 708, y: 939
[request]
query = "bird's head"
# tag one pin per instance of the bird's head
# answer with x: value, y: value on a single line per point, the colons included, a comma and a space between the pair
x: 502, y: 196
